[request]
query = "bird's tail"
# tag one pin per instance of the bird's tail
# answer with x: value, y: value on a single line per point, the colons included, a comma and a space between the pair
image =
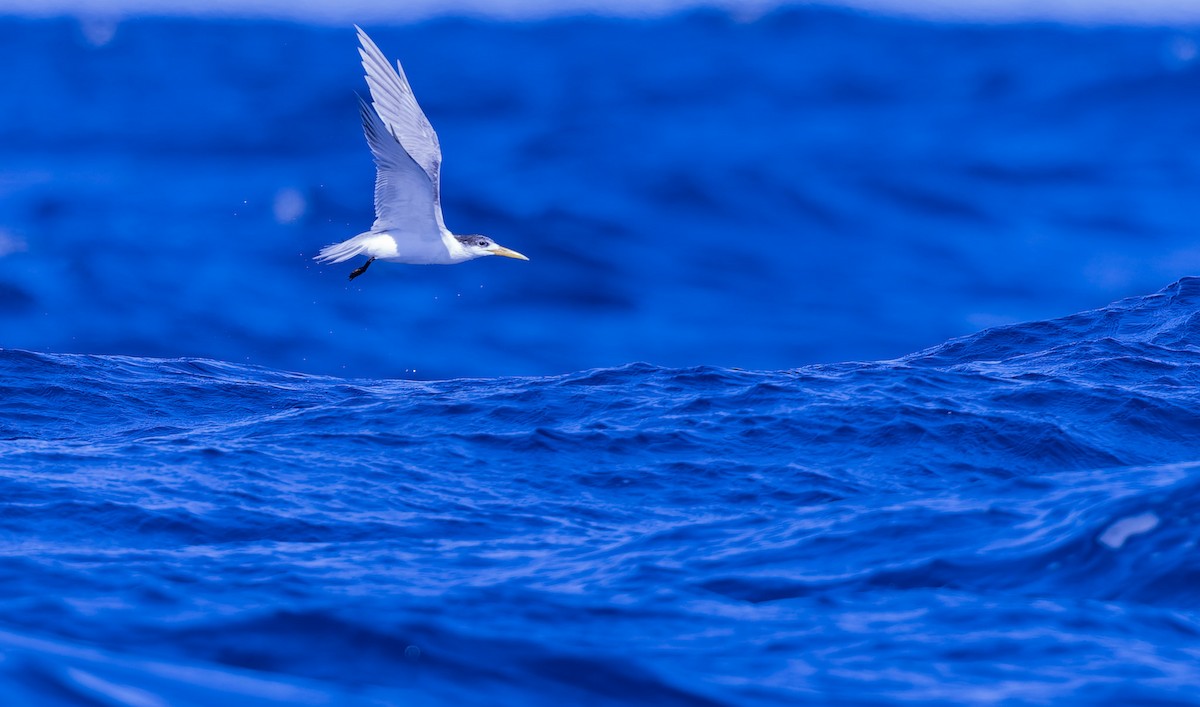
x: 341, y: 252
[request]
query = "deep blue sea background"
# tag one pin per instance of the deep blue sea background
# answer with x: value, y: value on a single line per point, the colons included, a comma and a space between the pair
x: 686, y: 454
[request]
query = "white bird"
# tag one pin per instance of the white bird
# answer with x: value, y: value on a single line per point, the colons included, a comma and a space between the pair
x: 408, y: 224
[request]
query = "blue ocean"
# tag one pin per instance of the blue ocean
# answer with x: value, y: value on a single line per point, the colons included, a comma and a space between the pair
x: 857, y: 361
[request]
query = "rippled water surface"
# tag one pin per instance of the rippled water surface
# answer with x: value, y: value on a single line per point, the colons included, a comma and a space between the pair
x: 1009, y: 516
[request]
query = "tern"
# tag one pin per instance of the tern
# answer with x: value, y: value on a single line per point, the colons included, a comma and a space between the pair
x: 408, y: 224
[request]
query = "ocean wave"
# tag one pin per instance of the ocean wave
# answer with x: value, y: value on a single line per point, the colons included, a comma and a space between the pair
x: 1007, y: 516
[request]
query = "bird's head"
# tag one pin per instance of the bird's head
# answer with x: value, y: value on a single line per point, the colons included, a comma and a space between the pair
x: 479, y: 246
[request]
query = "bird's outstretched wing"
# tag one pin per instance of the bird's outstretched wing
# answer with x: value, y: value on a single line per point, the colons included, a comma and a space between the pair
x: 406, y: 203
x: 397, y: 107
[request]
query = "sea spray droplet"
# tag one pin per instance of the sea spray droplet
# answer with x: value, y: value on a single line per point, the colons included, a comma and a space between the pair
x: 1117, y: 533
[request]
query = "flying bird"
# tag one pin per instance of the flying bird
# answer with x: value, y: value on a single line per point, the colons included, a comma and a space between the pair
x: 408, y: 224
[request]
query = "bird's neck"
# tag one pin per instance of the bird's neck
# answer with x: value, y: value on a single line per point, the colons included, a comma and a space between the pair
x: 457, y: 251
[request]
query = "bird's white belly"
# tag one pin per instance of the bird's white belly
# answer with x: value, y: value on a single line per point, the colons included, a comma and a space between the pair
x: 407, y: 249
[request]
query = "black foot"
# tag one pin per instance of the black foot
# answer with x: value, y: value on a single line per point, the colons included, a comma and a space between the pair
x: 359, y: 271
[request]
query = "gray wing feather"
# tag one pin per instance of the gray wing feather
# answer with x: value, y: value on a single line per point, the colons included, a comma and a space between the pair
x: 397, y: 106
x: 405, y: 198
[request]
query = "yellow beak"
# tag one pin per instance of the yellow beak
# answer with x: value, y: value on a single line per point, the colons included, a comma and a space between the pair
x: 501, y: 250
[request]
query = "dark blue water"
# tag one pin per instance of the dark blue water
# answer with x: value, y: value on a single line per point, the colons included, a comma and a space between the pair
x: 637, y: 469
x: 809, y: 187
x: 1010, y: 516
